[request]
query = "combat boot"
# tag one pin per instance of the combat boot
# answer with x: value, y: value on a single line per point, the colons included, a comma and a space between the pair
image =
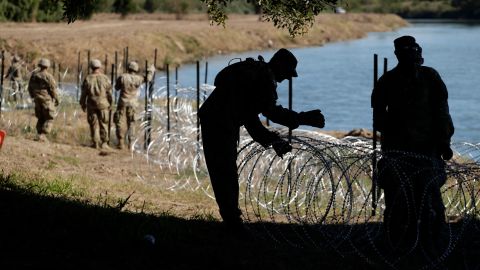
x: 42, y: 138
x: 121, y: 145
x: 105, y: 146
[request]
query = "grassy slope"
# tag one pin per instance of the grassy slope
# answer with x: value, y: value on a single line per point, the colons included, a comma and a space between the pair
x: 177, y: 41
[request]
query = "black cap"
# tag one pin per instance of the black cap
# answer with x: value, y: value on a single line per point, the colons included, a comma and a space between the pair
x: 404, y: 41
x: 286, y: 58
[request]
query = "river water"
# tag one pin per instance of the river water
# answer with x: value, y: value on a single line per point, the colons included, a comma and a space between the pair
x: 338, y: 77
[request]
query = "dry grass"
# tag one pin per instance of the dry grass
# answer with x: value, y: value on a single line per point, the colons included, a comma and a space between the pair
x: 177, y: 41
x: 100, y: 177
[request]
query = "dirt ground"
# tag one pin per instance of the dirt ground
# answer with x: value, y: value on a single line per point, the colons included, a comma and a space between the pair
x: 100, y: 175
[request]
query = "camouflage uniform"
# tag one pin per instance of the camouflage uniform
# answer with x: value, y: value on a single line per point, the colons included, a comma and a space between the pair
x: 411, y: 112
x: 43, y: 90
x: 96, y: 99
x: 15, y: 76
x: 128, y: 85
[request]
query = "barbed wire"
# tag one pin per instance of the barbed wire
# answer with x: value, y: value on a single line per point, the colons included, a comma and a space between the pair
x: 319, y: 195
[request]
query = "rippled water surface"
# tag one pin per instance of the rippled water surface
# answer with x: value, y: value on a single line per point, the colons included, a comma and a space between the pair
x: 337, y: 77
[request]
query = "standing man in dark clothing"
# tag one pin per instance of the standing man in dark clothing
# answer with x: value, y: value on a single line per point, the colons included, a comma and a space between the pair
x: 411, y: 111
x: 243, y: 91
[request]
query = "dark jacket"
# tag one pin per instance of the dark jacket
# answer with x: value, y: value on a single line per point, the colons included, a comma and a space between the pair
x: 411, y: 111
x: 243, y: 90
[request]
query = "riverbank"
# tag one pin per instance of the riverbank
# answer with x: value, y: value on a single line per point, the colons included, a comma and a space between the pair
x: 177, y: 41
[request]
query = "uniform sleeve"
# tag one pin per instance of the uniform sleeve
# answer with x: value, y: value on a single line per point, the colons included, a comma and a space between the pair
x: 140, y: 80
x: 271, y: 109
x: 443, y: 122
x: 108, y: 87
x: 52, y: 87
x: 259, y: 132
x: 10, y: 73
x: 379, y: 105
x: 282, y: 116
x: 30, y: 86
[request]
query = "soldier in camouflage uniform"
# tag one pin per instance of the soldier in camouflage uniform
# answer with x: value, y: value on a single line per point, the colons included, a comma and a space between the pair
x: 15, y: 75
x: 128, y: 84
x: 43, y: 90
x: 96, y: 100
x: 411, y: 112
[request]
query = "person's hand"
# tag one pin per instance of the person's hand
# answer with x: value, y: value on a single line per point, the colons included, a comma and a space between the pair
x: 446, y: 152
x: 57, y: 102
x: 281, y: 147
x: 84, y: 108
x: 312, y: 118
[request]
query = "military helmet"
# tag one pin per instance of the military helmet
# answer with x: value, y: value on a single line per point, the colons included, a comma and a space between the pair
x: 133, y: 66
x: 16, y: 58
x: 287, y: 60
x: 95, y: 63
x: 44, y: 62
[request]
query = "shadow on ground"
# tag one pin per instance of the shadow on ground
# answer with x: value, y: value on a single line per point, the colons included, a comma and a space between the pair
x: 44, y: 232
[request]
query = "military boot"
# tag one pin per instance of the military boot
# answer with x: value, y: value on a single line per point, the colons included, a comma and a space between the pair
x: 120, y: 145
x: 42, y: 138
x: 105, y: 146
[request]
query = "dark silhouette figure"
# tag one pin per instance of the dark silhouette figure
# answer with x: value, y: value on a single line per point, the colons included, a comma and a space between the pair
x: 411, y: 112
x: 243, y: 91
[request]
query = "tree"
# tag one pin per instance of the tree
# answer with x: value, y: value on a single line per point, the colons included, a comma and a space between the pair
x: 295, y: 15
x: 149, y: 6
x: 469, y: 8
x: 124, y: 7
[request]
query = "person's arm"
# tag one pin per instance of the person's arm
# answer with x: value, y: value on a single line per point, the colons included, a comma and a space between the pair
x: 52, y: 89
x: 444, y: 128
x: 282, y: 116
x: 265, y: 137
x: 259, y: 132
x: 30, y: 86
x: 150, y: 73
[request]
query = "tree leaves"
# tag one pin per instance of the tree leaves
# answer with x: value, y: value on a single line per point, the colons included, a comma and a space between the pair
x: 297, y: 16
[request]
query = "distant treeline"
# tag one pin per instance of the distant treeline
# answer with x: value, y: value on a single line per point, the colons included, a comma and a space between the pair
x: 458, y: 9
x: 52, y: 10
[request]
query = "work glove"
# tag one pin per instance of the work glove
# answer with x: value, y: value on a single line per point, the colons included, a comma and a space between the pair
x: 446, y: 152
x: 281, y: 147
x: 312, y: 118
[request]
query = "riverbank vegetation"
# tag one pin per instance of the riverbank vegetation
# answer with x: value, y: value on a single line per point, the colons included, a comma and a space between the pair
x: 177, y: 41
x: 54, y: 11
x: 452, y: 9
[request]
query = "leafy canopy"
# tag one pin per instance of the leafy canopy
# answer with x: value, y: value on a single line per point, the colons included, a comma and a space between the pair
x: 295, y: 15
